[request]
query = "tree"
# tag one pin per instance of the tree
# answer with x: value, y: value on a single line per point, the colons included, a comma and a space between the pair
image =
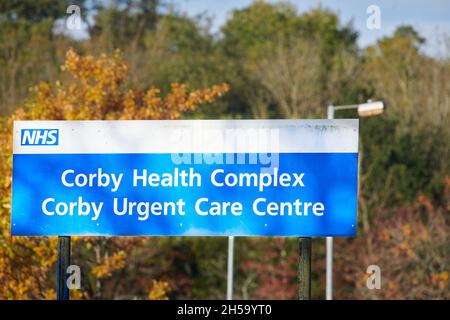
x: 28, y: 46
x: 411, y: 247
x: 291, y: 75
x: 33, y: 11
x: 281, y: 61
x: 124, y: 23
x: 417, y: 93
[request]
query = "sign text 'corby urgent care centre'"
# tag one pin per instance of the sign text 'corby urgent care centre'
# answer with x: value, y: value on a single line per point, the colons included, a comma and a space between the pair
x: 188, y: 178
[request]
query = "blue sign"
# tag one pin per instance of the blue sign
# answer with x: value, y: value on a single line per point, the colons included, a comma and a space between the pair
x: 187, y: 178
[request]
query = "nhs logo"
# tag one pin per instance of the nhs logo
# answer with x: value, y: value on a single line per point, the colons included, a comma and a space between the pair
x: 39, y: 137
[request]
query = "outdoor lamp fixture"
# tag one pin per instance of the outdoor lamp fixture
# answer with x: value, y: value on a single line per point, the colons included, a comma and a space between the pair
x: 371, y: 108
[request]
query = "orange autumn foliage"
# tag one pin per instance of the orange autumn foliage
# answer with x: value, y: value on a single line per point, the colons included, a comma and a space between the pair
x: 159, y: 290
x: 411, y: 247
x: 97, y: 91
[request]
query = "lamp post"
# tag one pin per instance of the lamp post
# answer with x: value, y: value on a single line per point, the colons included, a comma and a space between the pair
x: 364, y: 110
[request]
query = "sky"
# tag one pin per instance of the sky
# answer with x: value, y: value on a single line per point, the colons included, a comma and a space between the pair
x: 429, y: 17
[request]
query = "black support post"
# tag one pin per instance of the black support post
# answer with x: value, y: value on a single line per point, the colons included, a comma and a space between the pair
x: 304, y: 268
x: 62, y: 291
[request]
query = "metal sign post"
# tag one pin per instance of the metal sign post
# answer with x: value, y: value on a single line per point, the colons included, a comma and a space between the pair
x: 230, y: 268
x: 329, y: 242
x: 329, y: 267
x: 62, y: 291
x: 304, y: 268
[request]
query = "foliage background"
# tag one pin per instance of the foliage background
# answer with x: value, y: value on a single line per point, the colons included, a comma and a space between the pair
x: 140, y: 61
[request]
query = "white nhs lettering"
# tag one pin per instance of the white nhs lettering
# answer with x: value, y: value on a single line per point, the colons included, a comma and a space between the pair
x: 39, y: 137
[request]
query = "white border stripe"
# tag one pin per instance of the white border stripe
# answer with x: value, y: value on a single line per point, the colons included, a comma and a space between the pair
x: 195, y: 136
